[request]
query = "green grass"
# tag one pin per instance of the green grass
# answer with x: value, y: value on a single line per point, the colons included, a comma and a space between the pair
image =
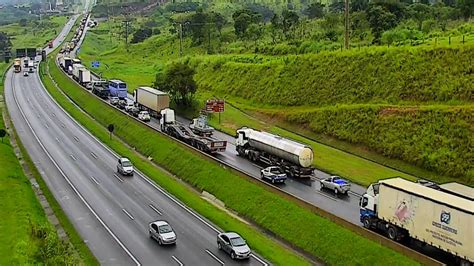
x: 34, y: 34
x: 26, y: 235
x: 314, y: 234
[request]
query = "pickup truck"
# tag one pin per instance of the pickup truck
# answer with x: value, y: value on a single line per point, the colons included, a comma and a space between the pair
x: 336, y: 184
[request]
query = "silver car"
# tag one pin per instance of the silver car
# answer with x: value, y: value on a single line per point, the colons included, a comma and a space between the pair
x: 162, y: 232
x: 124, y: 166
x: 234, y: 245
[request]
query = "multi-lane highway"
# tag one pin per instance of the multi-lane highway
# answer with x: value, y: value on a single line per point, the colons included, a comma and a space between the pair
x: 110, y: 212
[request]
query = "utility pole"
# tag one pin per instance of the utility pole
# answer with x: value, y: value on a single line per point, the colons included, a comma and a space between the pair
x: 126, y: 23
x: 346, y: 24
x: 180, y: 39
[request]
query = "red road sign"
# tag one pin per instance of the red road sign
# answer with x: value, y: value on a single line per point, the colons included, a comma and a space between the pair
x: 215, y: 106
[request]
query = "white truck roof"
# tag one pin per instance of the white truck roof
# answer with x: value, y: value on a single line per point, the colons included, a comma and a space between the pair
x: 152, y: 90
x: 459, y: 189
x: 440, y: 197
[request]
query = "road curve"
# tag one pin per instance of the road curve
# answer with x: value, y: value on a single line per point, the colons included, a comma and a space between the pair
x: 110, y: 212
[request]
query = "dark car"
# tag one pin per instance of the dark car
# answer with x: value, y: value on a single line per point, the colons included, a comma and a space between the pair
x: 234, y: 245
x: 134, y: 111
x: 121, y: 104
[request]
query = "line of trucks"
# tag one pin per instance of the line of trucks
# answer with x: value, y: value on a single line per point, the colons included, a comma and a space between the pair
x: 440, y: 216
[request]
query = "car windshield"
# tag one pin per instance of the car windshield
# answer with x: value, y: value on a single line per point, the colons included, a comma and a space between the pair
x: 237, y: 242
x: 126, y: 163
x: 163, y: 229
x: 276, y: 170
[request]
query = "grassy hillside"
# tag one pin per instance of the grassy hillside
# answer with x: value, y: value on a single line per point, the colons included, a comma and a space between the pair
x: 395, y: 76
x: 35, y: 33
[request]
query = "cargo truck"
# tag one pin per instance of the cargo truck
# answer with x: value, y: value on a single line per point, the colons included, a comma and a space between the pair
x: 170, y: 126
x: 151, y: 100
x: 81, y: 74
x: 101, y: 88
x: 17, y: 65
x: 401, y: 209
x: 294, y: 158
x: 65, y: 63
x: 50, y: 44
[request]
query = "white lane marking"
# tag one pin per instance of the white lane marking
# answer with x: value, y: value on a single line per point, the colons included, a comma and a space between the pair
x: 72, y: 156
x: 46, y: 125
x: 128, y: 214
x: 214, y: 257
x: 325, y: 195
x: 63, y: 125
x: 179, y: 262
x: 95, y: 181
x: 57, y: 140
x: 70, y: 183
x: 118, y: 177
x: 155, y: 209
x: 93, y: 155
x: 192, y: 213
x: 53, y: 114
x: 76, y: 139
x: 355, y: 194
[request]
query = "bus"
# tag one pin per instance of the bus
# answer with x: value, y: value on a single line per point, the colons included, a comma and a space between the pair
x: 118, y: 88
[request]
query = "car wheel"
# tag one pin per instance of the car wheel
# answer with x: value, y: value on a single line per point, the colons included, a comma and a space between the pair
x: 219, y: 245
x: 336, y: 191
x: 273, y: 181
x: 159, y: 241
x: 322, y: 185
x: 232, y: 255
x: 262, y: 176
x: 149, y: 233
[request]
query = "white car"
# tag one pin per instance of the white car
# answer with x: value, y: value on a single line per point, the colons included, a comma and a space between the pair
x: 25, y: 74
x: 162, y: 232
x: 124, y: 166
x: 144, y: 116
x: 129, y: 105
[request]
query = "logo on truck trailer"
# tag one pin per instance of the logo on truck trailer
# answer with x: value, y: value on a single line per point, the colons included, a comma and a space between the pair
x: 445, y: 217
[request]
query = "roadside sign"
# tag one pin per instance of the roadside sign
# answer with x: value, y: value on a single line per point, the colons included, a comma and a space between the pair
x: 215, y: 106
x: 95, y: 64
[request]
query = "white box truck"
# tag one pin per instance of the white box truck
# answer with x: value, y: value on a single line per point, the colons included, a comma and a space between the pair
x: 402, y: 208
x: 151, y: 100
x: 81, y: 74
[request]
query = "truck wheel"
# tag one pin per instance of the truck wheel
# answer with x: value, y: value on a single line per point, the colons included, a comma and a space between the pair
x: 392, y: 233
x: 366, y: 222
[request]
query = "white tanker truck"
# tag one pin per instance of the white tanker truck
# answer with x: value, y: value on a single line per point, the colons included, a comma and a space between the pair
x: 293, y: 157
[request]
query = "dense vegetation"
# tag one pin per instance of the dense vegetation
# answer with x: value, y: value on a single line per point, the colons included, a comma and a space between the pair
x: 314, y: 234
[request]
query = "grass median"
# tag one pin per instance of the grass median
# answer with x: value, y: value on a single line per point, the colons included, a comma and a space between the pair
x: 306, y: 230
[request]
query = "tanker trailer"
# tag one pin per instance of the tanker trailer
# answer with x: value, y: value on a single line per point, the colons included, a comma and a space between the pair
x: 293, y: 157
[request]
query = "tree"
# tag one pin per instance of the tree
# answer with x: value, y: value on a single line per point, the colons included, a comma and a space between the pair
x: 359, y: 25
x: 315, y: 10
x: 380, y: 21
x: 419, y: 12
x: 218, y: 20
x: 242, y: 20
x: 466, y: 7
x: 179, y: 82
x: 289, y: 22
x: 5, y: 43
x: 359, y: 5
x: 337, y: 6
x: 275, y: 27
x: 254, y: 32
x: 22, y: 22
x: 141, y: 34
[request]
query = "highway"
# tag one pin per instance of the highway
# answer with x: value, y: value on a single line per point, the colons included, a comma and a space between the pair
x: 110, y: 212
x: 346, y: 207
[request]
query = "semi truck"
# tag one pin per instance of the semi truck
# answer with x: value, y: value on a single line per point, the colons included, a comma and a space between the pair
x: 118, y: 88
x: 101, y: 88
x: 402, y: 209
x: 65, y: 62
x: 17, y: 65
x: 170, y: 126
x: 151, y: 100
x: 81, y: 74
x: 294, y: 158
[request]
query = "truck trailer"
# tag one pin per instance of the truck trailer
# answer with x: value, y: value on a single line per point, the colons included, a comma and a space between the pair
x: 293, y: 157
x: 81, y: 74
x: 170, y: 126
x: 151, y: 100
x: 401, y: 209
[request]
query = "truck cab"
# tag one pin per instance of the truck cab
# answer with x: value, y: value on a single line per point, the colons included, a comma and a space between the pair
x: 167, y: 117
x: 242, y: 137
x: 368, y: 205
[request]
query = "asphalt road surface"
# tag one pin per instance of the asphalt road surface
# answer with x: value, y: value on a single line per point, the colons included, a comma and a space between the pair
x: 110, y: 212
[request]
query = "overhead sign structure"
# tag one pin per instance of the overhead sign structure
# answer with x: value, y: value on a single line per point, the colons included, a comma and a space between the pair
x: 21, y: 53
x: 31, y: 52
x: 215, y: 106
x: 95, y: 64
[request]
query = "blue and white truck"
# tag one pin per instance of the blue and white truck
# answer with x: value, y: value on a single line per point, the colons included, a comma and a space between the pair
x: 118, y: 88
